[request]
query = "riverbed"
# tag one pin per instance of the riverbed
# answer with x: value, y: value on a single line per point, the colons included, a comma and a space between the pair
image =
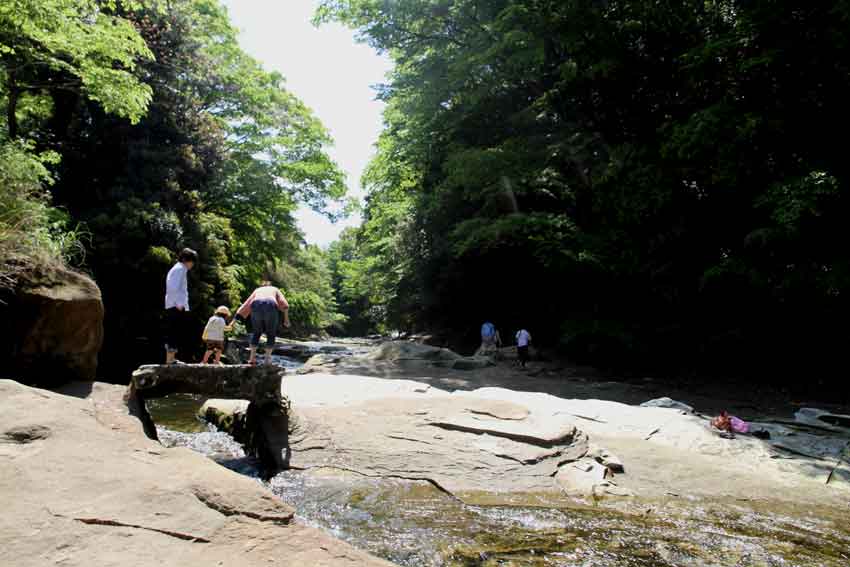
x: 414, y: 524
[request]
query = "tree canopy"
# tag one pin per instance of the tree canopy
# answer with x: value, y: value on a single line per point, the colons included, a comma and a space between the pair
x: 643, y: 183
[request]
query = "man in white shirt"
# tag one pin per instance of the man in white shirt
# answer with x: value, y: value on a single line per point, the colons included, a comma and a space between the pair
x: 177, y: 303
x: 523, y: 339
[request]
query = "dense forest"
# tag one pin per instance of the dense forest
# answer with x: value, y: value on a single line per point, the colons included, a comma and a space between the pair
x: 641, y: 184
x: 135, y: 128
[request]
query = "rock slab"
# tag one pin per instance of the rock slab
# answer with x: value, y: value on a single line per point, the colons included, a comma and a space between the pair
x: 81, y: 485
x: 258, y: 384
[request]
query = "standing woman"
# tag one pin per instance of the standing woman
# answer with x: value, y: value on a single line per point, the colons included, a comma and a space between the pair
x: 264, y: 307
x: 177, y: 318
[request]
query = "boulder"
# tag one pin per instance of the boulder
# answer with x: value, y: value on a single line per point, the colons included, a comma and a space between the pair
x: 823, y: 419
x: 226, y: 415
x: 402, y: 351
x: 297, y: 351
x: 319, y: 362
x: 473, y: 363
x: 53, y: 329
x: 82, y: 485
x: 667, y: 403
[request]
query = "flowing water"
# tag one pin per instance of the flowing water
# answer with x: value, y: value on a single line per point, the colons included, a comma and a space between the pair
x: 414, y: 524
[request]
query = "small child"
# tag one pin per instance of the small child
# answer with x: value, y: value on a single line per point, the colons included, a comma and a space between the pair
x: 214, y: 334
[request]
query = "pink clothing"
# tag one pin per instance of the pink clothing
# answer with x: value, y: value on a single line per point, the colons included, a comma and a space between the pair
x: 267, y: 292
x: 739, y: 425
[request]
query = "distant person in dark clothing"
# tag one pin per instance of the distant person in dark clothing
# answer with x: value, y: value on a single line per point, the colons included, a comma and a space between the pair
x: 490, y: 335
x: 523, y: 340
x: 490, y: 340
x: 177, y: 318
x: 264, y: 307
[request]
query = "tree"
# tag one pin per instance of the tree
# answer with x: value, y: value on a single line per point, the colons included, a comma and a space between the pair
x: 644, y: 183
x: 50, y: 45
x: 47, y: 47
x: 219, y: 163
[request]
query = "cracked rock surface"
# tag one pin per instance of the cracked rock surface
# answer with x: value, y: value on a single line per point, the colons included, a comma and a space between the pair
x: 500, y: 441
x: 403, y: 429
x: 82, y: 485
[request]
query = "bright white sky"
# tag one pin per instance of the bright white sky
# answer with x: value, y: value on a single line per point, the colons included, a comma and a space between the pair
x: 331, y: 73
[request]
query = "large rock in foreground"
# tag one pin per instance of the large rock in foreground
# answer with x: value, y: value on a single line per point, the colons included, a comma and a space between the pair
x: 404, y: 429
x: 52, y: 330
x: 81, y: 485
x: 498, y: 443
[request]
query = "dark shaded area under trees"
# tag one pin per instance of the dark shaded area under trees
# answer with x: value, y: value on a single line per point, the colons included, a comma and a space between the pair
x: 646, y: 185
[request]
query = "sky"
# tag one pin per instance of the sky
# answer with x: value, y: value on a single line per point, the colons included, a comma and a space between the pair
x: 327, y: 70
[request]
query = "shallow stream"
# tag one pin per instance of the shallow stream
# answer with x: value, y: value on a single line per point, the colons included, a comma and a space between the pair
x: 414, y: 524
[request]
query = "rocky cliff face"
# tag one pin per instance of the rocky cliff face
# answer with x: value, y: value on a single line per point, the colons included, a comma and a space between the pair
x: 52, y: 330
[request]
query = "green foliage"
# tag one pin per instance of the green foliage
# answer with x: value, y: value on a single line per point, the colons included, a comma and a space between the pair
x: 216, y: 155
x: 24, y: 213
x: 305, y: 278
x: 655, y: 182
x: 63, y: 44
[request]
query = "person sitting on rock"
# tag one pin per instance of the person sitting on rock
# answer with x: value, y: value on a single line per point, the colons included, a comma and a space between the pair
x: 264, y: 306
x: 214, y: 334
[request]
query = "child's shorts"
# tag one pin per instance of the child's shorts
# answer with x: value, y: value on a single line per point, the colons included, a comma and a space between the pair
x: 215, y: 345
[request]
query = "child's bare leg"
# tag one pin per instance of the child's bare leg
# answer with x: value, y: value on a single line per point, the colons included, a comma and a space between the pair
x: 252, y: 359
x: 218, y: 356
x: 206, y: 356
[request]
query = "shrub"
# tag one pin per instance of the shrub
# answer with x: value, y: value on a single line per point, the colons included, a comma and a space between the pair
x: 32, y: 233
